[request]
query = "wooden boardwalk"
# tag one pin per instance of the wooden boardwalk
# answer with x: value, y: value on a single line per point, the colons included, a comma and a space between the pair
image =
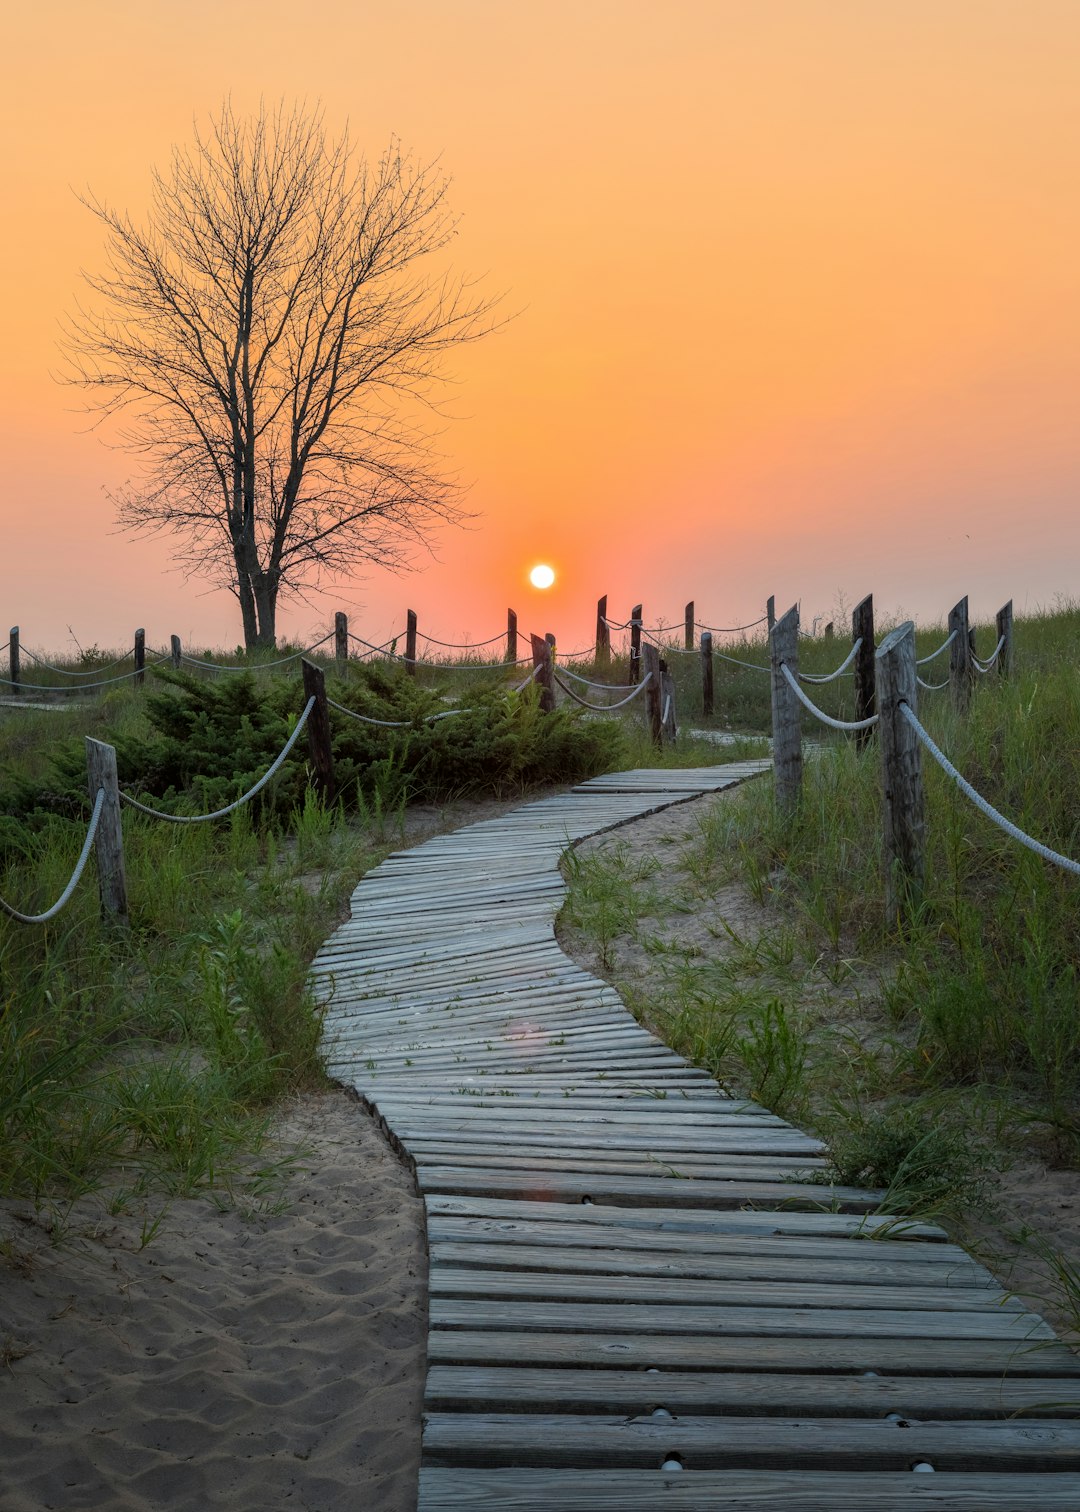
x: 637, y: 1300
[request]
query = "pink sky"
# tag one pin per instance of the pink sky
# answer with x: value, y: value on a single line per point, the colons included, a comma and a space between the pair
x: 798, y: 288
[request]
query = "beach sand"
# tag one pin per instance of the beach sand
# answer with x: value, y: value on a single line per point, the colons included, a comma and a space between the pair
x: 249, y: 1361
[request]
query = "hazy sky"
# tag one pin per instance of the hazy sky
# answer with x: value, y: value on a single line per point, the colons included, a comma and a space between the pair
x: 798, y: 285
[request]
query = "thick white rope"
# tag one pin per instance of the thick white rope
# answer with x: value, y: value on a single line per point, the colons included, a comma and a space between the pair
x: 603, y: 708
x: 731, y: 629
x: 980, y: 802
x: 67, y: 671
x: 931, y: 687
x: 827, y: 719
x: 604, y: 687
x: 667, y: 710
x: 922, y: 661
x: 463, y: 645
x: 394, y: 724
x: 735, y: 662
x: 220, y: 813
x: 256, y: 666
x: 50, y: 913
x: 813, y: 677
x: 985, y: 666
x: 76, y: 687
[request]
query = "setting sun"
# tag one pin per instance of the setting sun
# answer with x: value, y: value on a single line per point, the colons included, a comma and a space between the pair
x: 542, y: 576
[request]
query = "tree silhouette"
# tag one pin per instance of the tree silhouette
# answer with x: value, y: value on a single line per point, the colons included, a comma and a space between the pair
x: 271, y: 336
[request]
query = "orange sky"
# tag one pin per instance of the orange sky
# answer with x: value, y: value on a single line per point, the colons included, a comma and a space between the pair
x: 798, y: 283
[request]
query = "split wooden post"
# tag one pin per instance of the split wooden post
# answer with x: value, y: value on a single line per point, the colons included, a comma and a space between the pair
x: 13, y: 659
x: 830, y: 631
x: 786, y: 712
x: 1004, y: 625
x: 603, y: 633
x: 511, y: 636
x: 410, y: 642
x: 706, y: 674
x: 341, y: 639
x: 544, y: 672
x: 901, y: 773
x: 635, y: 644
x: 109, y: 840
x: 961, y: 668
x: 669, y: 729
x: 770, y: 612
x: 318, y: 731
x: 862, y: 630
x: 140, y: 657
x: 176, y: 651
x: 653, y: 692
x: 688, y: 627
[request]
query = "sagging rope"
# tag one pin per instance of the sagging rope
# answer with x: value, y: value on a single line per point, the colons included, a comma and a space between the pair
x: 985, y: 666
x: 931, y: 687
x: 980, y: 802
x: 813, y: 677
x: 395, y: 724
x: 229, y: 808
x: 66, y: 671
x: 50, y: 913
x: 603, y: 708
x: 734, y: 660
x: 414, y: 661
x: 667, y: 710
x: 922, y: 661
x: 731, y: 629
x: 462, y: 645
x: 827, y: 719
x: 606, y: 687
x: 194, y: 661
x: 378, y: 650
x: 77, y: 687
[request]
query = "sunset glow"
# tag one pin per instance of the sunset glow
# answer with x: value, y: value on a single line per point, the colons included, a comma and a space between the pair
x: 789, y: 294
x: 541, y: 576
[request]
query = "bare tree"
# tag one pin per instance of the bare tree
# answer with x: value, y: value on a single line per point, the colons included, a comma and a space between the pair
x: 266, y: 335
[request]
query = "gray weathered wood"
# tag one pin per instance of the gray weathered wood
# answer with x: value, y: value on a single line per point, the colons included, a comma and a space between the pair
x: 864, y: 669
x: 770, y: 612
x: 669, y: 730
x: 176, y: 651
x: 109, y: 841
x: 1004, y: 626
x: 341, y: 639
x: 14, y: 672
x: 544, y: 671
x: 961, y: 668
x: 706, y: 674
x: 511, y: 636
x: 901, y: 773
x: 603, y: 633
x: 140, y: 657
x: 635, y: 643
x: 786, y: 712
x: 688, y: 627
x: 830, y: 631
x: 410, y: 642
x: 318, y: 731
x: 650, y: 661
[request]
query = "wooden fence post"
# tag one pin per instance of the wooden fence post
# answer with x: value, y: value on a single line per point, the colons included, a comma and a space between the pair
x: 13, y: 659
x: 543, y: 672
x: 901, y: 773
x: 410, y: 642
x: 653, y: 704
x: 688, y: 627
x: 706, y: 674
x: 318, y: 730
x: 635, y: 644
x: 1004, y: 625
x: 770, y: 612
x: 669, y: 728
x: 176, y: 651
x: 830, y: 631
x: 341, y: 639
x: 603, y: 633
x: 862, y: 630
x: 109, y: 840
x: 786, y: 712
x: 961, y: 669
x: 511, y: 636
x: 140, y: 657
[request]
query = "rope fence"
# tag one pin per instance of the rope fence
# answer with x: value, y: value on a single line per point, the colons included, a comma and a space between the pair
x: 80, y: 865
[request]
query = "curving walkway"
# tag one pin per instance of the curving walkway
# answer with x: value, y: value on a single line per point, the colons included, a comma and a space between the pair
x: 637, y: 1300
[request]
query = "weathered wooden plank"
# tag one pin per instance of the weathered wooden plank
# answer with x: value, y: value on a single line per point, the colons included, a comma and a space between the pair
x: 894, y: 1356
x: 712, y: 1443
x: 460, y: 1490
x: 447, y: 1280
x: 570, y: 1186
x: 482, y: 1388
x: 762, y: 1321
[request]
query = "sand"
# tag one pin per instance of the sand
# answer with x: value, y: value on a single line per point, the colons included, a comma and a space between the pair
x: 240, y: 1361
